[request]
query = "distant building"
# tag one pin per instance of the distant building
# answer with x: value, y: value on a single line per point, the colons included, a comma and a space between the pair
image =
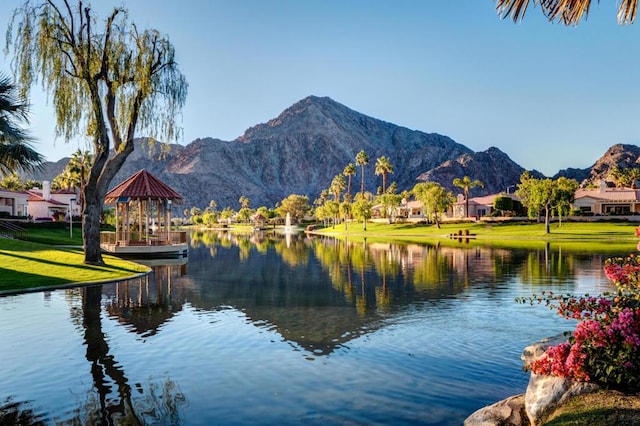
x: 478, y: 206
x: 607, y: 201
x: 13, y: 203
x: 47, y: 204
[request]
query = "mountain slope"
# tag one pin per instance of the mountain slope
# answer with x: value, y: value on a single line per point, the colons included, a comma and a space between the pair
x: 492, y: 167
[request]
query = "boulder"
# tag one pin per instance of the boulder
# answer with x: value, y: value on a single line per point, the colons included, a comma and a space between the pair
x: 546, y: 393
x: 510, y: 411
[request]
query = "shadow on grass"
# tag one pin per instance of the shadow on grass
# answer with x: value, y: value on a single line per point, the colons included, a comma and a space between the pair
x: 62, y: 264
x: 13, y: 280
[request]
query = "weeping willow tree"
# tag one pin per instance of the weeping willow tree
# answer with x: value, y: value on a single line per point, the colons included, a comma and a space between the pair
x: 108, y: 81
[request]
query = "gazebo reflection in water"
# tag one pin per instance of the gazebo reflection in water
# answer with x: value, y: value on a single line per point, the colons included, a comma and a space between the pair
x: 143, y: 218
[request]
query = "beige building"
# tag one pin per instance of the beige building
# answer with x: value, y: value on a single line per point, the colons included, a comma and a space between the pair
x: 607, y: 201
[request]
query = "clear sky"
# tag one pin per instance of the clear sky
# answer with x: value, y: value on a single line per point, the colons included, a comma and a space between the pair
x: 549, y: 96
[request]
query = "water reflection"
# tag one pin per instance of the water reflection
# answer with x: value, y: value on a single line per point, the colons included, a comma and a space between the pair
x: 233, y: 332
x: 320, y: 293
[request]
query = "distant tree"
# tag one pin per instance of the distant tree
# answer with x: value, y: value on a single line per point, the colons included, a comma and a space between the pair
x: 503, y: 204
x: 210, y: 218
x: 434, y: 198
x: 390, y: 204
x: 186, y: 213
x: 107, y: 82
x: 362, y: 159
x: 337, y: 186
x: 349, y: 171
x: 213, y: 205
x: 345, y: 212
x: 244, y: 202
x: 296, y: 205
x: 196, y: 211
x: 332, y: 210
x: 12, y: 182
x: 466, y: 184
x: 546, y: 195
x: 16, y: 152
x: 244, y: 214
x: 30, y: 184
x: 565, y: 12
x: 227, y: 214
x: 362, y: 208
x: 383, y: 167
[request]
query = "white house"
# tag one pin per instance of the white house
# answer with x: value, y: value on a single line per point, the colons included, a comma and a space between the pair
x: 478, y: 206
x: 45, y: 203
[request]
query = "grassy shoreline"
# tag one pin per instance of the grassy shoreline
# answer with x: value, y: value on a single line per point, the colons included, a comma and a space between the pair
x: 27, y: 266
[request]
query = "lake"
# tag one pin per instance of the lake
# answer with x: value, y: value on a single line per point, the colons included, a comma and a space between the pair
x: 268, y: 329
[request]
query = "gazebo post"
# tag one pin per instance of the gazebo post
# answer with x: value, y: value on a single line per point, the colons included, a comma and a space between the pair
x: 117, y: 233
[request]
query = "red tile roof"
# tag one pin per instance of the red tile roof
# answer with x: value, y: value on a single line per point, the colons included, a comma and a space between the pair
x: 143, y: 185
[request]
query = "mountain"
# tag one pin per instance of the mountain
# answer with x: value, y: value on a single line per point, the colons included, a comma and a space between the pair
x: 492, y: 167
x: 298, y: 152
x: 619, y: 155
x: 303, y: 148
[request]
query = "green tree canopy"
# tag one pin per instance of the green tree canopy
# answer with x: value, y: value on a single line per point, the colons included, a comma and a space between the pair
x: 383, y: 167
x: 434, y: 198
x: 296, y: 205
x: 108, y: 81
x: 546, y: 195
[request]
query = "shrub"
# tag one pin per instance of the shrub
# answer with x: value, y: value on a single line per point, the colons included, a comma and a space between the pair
x: 605, y: 345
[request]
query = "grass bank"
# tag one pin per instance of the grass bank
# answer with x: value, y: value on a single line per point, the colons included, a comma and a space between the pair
x: 568, y: 231
x: 26, y: 265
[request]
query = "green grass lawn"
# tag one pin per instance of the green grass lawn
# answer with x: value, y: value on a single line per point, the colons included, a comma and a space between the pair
x: 55, y: 236
x: 25, y: 265
x: 483, y: 230
x: 591, y: 237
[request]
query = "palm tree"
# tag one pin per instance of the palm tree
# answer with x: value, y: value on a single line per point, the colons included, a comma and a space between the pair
x: 566, y: 12
x: 383, y: 167
x: 466, y: 184
x: 349, y: 170
x: 362, y: 159
x: 15, y: 148
x: 337, y: 186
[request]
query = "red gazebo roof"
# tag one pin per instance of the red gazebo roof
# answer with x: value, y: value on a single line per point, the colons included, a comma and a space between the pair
x: 143, y: 185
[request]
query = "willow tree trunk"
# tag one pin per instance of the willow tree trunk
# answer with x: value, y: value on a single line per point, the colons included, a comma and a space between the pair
x: 91, y: 212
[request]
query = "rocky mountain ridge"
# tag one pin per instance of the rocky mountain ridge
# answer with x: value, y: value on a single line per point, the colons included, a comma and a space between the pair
x: 303, y: 148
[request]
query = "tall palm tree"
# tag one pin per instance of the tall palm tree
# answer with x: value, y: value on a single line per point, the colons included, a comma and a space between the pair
x: 362, y: 159
x: 466, y: 184
x: 349, y: 170
x: 566, y: 12
x: 383, y: 167
x: 16, y: 152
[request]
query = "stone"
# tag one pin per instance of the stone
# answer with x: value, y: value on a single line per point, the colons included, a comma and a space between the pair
x: 546, y: 393
x: 510, y: 411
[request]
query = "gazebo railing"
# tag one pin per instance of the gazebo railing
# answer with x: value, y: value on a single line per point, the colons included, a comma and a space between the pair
x: 134, y: 238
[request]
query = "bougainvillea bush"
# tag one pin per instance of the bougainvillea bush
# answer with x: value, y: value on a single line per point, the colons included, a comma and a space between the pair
x: 605, y: 346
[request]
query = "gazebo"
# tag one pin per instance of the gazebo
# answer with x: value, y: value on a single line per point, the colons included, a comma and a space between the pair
x: 143, y: 218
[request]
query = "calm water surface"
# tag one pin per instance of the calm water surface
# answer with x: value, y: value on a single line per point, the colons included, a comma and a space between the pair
x: 263, y: 329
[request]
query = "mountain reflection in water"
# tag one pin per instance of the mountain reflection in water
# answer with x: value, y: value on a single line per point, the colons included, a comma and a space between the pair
x: 402, y: 329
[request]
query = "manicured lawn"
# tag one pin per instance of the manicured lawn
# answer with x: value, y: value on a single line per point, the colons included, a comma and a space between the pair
x: 55, y: 236
x: 481, y: 230
x: 25, y: 265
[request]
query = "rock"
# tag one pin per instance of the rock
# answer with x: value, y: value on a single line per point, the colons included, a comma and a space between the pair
x: 546, y: 393
x: 510, y: 411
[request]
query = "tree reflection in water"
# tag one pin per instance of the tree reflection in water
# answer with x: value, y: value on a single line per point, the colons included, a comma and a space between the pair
x: 113, y: 401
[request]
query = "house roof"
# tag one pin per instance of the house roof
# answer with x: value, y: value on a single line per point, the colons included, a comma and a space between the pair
x: 36, y: 197
x: 609, y: 194
x: 487, y: 200
x: 143, y: 185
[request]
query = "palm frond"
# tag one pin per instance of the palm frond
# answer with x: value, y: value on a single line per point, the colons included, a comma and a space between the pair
x: 627, y: 12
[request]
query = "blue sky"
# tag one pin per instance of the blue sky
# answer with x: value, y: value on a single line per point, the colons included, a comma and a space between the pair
x: 549, y: 96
